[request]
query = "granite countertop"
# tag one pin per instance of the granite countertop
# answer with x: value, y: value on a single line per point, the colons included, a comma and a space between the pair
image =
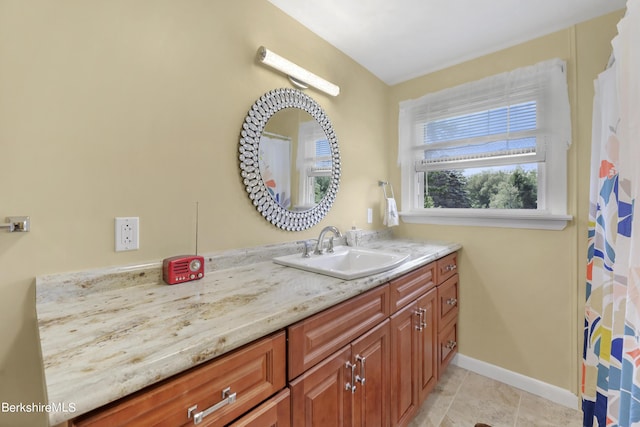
x: 108, y: 333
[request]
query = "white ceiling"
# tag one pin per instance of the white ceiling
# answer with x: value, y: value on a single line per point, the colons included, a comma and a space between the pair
x: 398, y: 40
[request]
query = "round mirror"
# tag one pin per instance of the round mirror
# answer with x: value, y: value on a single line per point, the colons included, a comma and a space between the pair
x: 289, y: 159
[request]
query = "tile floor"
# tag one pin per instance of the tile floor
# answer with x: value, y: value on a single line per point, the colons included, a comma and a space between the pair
x: 463, y: 398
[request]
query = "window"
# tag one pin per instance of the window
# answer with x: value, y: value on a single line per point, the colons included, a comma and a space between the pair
x: 319, y: 173
x: 489, y: 152
x: 313, y: 164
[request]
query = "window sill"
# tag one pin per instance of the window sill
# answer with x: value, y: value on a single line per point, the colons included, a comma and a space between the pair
x: 488, y: 218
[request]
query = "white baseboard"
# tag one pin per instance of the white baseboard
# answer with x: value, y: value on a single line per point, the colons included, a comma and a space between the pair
x: 531, y: 385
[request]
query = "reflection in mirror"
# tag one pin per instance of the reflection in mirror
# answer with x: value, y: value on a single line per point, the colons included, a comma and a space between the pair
x: 289, y: 159
x: 295, y: 160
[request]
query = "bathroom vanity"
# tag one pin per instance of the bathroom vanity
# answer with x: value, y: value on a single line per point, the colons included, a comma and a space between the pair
x: 252, y: 344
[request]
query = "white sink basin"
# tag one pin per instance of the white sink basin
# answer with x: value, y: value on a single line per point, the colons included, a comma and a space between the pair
x: 345, y: 262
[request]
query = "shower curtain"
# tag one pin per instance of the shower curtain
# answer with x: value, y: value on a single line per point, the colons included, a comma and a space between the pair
x: 611, y: 358
x: 275, y: 167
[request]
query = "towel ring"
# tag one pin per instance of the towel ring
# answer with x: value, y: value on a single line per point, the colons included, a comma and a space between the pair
x: 384, y: 184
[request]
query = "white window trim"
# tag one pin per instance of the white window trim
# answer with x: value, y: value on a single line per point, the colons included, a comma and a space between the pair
x: 551, y: 216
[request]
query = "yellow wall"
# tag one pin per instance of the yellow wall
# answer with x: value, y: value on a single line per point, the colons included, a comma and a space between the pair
x: 124, y: 108
x: 522, y: 291
x: 121, y: 108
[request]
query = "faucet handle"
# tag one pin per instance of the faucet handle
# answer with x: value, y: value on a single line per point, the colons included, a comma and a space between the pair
x: 306, y: 246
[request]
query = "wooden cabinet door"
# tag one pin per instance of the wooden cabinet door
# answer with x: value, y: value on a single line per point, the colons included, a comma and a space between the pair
x: 404, y: 365
x: 370, y: 353
x: 319, y: 397
x: 428, y: 344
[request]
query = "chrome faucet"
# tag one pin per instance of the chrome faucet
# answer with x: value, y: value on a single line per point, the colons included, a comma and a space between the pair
x: 320, y: 243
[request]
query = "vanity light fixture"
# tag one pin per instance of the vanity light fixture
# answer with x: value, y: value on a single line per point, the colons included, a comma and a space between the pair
x: 298, y: 75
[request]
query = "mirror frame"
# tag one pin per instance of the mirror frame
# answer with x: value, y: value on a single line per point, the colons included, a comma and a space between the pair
x: 254, y: 123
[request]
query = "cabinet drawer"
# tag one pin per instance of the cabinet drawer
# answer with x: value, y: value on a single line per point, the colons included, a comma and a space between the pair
x: 447, y: 302
x: 447, y: 346
x: 409, y: 287
x: 252, y: 373
x: 318, y: 336
x: 275, y: 412
x: 446, y: 267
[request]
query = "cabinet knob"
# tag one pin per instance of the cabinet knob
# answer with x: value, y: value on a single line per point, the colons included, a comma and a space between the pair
x: 452, y: 301
x: 451, y: 345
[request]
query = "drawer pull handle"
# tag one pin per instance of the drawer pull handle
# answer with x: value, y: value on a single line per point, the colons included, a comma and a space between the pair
x: 227, y: 399
x: 451, y: 345
x: 452, y: 301
x: 450, y: 267
x: 419, y: 325
x: 421, y: 318
x: 352, y: 385
x: 362, y: 377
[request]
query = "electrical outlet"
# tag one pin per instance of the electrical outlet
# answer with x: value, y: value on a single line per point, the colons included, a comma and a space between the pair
x: 127, y: 234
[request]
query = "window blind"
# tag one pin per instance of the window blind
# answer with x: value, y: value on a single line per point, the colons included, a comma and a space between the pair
x: 504, y: 119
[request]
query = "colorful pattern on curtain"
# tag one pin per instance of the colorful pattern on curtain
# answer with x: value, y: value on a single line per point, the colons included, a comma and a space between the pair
x: 274, y: 159
x: 611, y: 365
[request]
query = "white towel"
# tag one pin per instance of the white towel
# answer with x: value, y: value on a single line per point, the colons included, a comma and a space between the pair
x: 390, y: 213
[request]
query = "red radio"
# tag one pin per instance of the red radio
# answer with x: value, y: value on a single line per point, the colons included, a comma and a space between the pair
x: 183, y: 268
